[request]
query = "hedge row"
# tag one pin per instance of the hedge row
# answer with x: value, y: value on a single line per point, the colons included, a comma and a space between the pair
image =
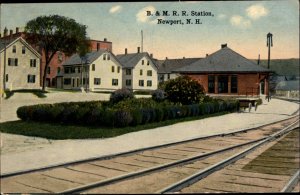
x: 99, y: 114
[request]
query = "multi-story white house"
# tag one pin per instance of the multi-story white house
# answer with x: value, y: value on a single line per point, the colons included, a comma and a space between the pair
x: 20, y: 64
x: 139, y: 71
x: 97, y: 71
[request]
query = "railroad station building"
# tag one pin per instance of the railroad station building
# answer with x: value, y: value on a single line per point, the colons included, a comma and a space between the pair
x: 226, y: 72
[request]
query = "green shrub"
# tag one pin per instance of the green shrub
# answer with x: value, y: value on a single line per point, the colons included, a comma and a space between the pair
x: 24, y: 112
x: 122, y: 118
x: 184, y: 90
x: 120, y: 94
x: 69, y: 114
x: 95, y: 116
x: 124, y: 113
x: 137, y: 117
x: 158, y: 95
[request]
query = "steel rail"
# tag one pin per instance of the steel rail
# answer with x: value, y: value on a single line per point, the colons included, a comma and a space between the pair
x: 204, y: 173
x: 106, y: 157
x: 292, y: 182
x: 156, y: 168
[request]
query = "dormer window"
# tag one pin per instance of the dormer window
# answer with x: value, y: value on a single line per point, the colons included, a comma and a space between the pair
x: 108, y: 57
x: 104, y: 56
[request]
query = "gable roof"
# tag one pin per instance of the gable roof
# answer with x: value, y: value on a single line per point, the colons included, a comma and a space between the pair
x: 223, y: 60
x: 90, y: 58
x: 9, y: 42
x: 168, y: 65
x: 130, y: 60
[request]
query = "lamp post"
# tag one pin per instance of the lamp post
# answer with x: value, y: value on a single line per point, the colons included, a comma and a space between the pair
x: 269, y: 45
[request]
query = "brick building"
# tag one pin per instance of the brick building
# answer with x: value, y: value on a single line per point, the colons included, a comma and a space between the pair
x: 227, y: 72
x: 55, y: 67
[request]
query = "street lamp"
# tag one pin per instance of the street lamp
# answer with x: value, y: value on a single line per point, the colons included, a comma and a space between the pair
x: 269, y: 45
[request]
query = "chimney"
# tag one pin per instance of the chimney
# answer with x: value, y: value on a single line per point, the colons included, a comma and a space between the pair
x: 11, y: 32
x: 5, y: 32
x: 183, y: 57
x: 138, y: 49
x: 105, y: 39
x: 224, y: 45
x: 151, y: 55
x: 125, y: 51
x: 17, y: 29
x: 206, y: 55
x: 166, y: 58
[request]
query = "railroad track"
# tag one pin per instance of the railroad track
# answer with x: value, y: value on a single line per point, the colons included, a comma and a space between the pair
x: 148, y: 170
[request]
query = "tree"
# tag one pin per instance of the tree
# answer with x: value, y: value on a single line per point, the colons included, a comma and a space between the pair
x: 56, y: 33
x: 184, y: 90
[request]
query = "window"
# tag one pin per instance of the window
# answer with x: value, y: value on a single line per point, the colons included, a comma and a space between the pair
x: 31, y: 78
x: 169, y: 76
x: 6, y: 78
x: 67, y: 70
x: 14, y: 49
x: 12, y: 61
x: 148, y: 62
x: 87, y: 81
x: 211, y: 84
x: 108, y: 57
x: 141, y: 72
x: 142, y: 62
x: 118, y: 69
x: 149, y: 73
x: 97, y: 81
x: 67, y: 81
x: 58, y: 70
x: 72, y: 69
x: 223, y: 84
x: 93, y: 67
x: 23, y: 49
x: 149, y: 83
x: 114, y: 82
x: 48, y: 70
x: 32, y: 62
x: 104, y: 56
x: 141, y: 83
x: 112, y: 69
x: 128, y: 82
x: 234, y: 83
x: 128, y: 71
x: 98, y: 46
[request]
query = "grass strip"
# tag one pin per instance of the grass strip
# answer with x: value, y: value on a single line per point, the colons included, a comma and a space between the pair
x: 62, y: 131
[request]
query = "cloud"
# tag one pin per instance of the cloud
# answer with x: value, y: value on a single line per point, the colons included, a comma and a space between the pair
x: 115, y: 9
x: 221, y: 16
x: 239, y: 21
x: 256, y: 11
x: 141, y: 16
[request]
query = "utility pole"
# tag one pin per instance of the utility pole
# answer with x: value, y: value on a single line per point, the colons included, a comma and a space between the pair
x: 142, y: 41
x: 269, y: 45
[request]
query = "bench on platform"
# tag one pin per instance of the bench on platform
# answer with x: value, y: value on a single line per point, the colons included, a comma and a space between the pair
x: 248, y: 103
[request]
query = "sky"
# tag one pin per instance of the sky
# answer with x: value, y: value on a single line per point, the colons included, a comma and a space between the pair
x: 243, y: 25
